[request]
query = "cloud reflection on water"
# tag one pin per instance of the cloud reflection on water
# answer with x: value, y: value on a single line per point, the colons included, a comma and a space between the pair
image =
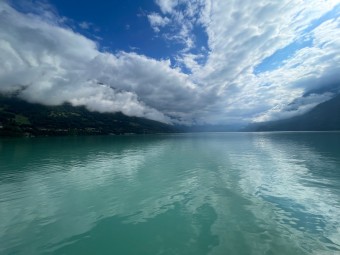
x: 260, y: 187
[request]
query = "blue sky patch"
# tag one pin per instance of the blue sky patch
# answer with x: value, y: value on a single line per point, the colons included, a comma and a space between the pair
x: 277, y: 59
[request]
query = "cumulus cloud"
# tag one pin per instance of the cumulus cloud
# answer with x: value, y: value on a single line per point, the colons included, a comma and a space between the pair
x: 50, y: 64
x: 167, y: 6
x: 183, y: 16
x: 242, y: 34
x: 157, y: 21
x: 44, y: 61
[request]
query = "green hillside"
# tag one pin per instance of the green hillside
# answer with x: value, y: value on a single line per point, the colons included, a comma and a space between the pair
x: 19, y: 118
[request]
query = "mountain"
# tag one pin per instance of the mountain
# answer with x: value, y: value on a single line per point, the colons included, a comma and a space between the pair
x: 323, y: 117
x: 18, y: 118
x: 211, y: 128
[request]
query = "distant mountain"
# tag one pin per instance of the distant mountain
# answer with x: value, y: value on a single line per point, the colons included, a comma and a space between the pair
x: 332, y: 88
x: 323, y: 117
x: 211, y: 128
x: 18, y: 118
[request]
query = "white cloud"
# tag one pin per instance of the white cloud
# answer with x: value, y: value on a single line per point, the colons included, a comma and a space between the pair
x: 308, y: 69
x: 51, y: 64
x: 183, y: 16
x: 167, y: 6
x: 85, y: 25
x: 157, y: 21
x: 242, y: 34
x: 297, y: 107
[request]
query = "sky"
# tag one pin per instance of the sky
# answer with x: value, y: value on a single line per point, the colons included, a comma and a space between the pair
x: 185, y: 62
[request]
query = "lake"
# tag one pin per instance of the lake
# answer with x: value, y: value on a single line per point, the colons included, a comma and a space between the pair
x: 207, y: 193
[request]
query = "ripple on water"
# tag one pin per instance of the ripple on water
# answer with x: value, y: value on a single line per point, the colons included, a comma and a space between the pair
x: 183, y: 194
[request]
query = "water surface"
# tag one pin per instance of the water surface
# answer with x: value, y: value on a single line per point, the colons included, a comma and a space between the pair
x: 218, y: 193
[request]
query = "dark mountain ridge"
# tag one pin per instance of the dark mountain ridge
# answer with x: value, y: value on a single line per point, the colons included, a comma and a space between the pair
x: 20, y: 118
x: 323, y: 117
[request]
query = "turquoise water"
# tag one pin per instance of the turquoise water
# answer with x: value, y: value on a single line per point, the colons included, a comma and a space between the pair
x: 222, y: 193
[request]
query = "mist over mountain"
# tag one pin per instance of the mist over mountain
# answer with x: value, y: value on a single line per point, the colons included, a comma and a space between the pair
x: 19, y: 118
x: 323, y: 117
